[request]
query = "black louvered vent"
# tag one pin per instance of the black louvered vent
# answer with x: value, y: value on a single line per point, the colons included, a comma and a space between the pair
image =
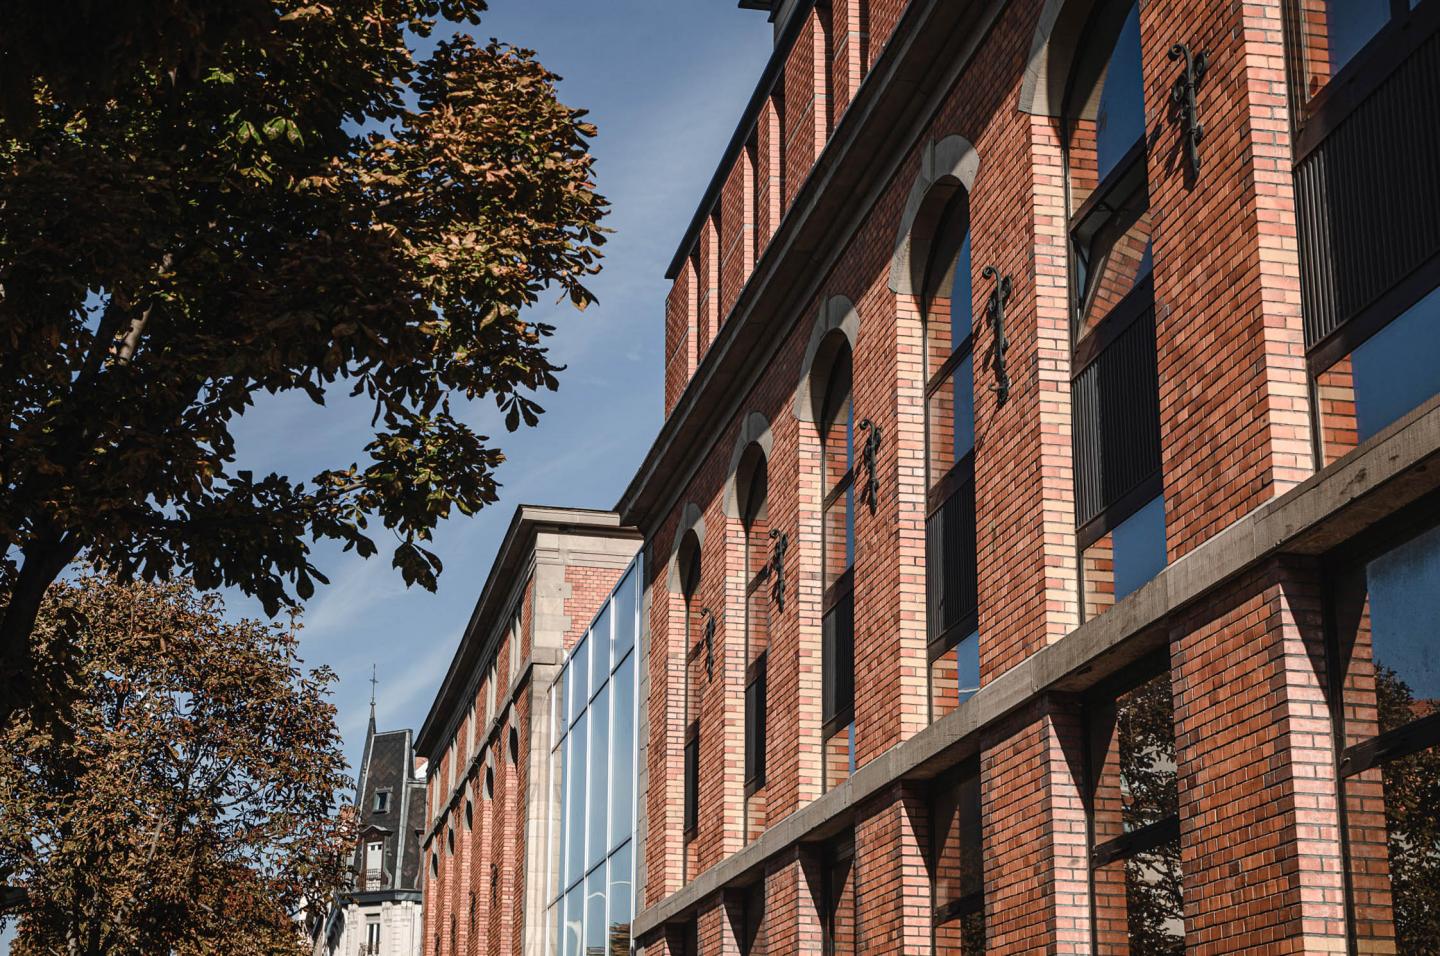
x: 1369, y: 195
x: 952, y: 583
x: 1116, y: 402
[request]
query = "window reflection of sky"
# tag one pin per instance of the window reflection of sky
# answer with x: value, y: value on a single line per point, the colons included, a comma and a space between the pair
x: 1398, y: 368
x: 1120, y: 117
x: 1405, y: 612
x: 1139, y: 547
x: 1349, y: 26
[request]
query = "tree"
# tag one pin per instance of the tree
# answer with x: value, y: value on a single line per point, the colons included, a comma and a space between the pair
x: 190, y: 803
x: 1412, y: 820
x: 294, y: 203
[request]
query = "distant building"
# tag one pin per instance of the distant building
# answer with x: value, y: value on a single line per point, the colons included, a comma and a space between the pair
x: 380, y: 913
x: 532, y: 747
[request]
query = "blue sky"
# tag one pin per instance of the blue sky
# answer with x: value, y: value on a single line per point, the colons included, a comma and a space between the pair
x: 665, y: 82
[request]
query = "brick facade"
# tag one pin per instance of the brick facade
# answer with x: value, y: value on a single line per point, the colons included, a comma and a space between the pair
x: 822, y: 229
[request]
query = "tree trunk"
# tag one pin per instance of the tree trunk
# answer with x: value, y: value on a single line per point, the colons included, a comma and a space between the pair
x: 42, y: 564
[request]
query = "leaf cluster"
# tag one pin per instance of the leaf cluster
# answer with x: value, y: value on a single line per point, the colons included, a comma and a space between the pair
x: 292, y: 202
x: 190, y: 805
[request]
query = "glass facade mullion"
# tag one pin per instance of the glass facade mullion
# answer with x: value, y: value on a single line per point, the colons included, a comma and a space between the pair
x: 594, y: 762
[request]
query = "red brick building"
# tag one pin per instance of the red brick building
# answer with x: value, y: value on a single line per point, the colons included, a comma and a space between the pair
x: 1039, y: 546
x: 492, y: 840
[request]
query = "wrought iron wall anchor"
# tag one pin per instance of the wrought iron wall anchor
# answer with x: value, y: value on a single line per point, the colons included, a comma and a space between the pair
x: 777, y: 567
x: 709, y: 642
x: 995, y: 314
x: 870, y: 494
x: 1182, y: 95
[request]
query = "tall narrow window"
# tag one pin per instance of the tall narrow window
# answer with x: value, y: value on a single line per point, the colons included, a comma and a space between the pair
x: 950, y: 568
x: 837, y: 469
x: 957, y: 863
x: 372, y: 935
x: 752, y: 492
x: 692, y: 779
x: 1385, y: 603
x: 689, y: 568
x: 1115, y: 386
x: 1134, y: 818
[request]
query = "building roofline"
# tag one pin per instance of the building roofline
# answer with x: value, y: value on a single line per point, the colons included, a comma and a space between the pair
x: 888, y: 116
x: 785, y: 39
x: 479, y: 641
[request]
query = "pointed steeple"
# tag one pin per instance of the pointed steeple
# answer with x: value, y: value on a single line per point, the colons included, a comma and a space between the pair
x: 373, y: 682
x: 369, y: 744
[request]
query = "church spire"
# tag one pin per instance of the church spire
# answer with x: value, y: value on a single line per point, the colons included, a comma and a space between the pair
x: 373, y: 682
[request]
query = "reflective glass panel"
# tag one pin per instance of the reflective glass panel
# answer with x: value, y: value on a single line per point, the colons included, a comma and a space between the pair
x: 620, y: 902
x: 1120, y: 115
x: 951, y: 414
x: 1349, y: 25
x: 571, y: 822
x: 1389, y: 649
x: 959, y: 868
x: 1139, y: 547
x: 961, y: 303
x: 578, y: 693
x: 574, y: 921
x: 595, y: 925
x: 1115, y: 260
x: 626, y: 604
x: 600, y: 650
x: 599, y: 774
x: 622, y: 781
x: 575, y: 764
x: 1139, y: 904
x: 1398, y: 368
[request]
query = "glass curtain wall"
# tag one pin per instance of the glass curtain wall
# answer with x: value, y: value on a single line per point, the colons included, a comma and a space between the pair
x: 593, y: 760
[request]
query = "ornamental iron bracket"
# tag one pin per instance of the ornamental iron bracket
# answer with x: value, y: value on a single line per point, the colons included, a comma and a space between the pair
x: 870, y: 494
x: 777, y: 567
x: 995, y: 314
x: 709, y: 642
x: 1182, y: 96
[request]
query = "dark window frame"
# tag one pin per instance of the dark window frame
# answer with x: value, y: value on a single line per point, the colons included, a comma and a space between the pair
x: 842, y: 590
x: 1313, y: 119
x: 1100, y: 212
x: 1109, y: 211
x: 950, y: 237
x: 755, y: 670
x: 756, y: 687
x: 691, y: 821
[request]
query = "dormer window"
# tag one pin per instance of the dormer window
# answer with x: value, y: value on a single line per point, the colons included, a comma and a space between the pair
x: 382, y: 801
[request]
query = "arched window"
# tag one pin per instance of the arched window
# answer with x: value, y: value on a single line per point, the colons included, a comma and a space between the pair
x: 1115, y: 387
x: 836, y: 420
x: 689, y: 568
x: 951, y: 580
x: 752, y: 491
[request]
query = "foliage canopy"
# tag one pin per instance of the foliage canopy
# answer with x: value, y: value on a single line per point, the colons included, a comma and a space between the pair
x: 189, y: 804
x: 212, y: 202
